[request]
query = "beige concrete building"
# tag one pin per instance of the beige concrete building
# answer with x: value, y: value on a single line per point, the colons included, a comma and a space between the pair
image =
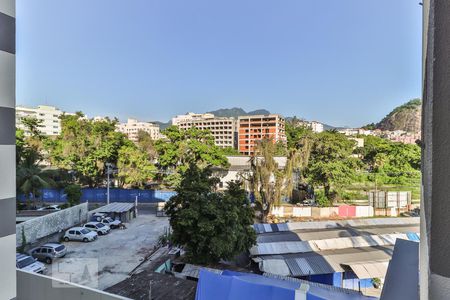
x: 133, y: 126
x: 223, y: 129
x: 49, y: 115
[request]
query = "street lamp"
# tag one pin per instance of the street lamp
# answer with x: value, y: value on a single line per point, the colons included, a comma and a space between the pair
x: 108, y: 165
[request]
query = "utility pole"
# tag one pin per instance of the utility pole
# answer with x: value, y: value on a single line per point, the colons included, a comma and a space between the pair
x: 108, y: 165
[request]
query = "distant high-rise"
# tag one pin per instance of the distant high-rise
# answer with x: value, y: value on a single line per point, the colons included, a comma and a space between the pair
x: 222, y: 129
x: 253, y: 129
x: 133, y: 126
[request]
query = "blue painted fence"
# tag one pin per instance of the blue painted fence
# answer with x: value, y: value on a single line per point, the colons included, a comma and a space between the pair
x: 99, y: 195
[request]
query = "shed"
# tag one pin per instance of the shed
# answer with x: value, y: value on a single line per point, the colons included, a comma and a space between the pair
x: 119, y: 210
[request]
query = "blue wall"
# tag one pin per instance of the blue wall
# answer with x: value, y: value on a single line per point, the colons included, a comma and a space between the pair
x: 99, y: 195
x: 334, y: 279
x: 351, y: 281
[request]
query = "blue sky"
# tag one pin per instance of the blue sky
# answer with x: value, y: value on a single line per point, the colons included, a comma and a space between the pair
x: 345, y: 63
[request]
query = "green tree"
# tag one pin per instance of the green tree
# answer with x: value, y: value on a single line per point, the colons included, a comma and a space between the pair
x: 85, y: 146
x: 73, y: 192
x: 184, y: 147
x: 20, y: 145
x: 230, y: 151
x: 135, y: 166
x: 208, y: 224
x: 331, y: 163
x: 266, y: 179
x: 147, y: 144
x: 31, y: 178
x: 391, y: 162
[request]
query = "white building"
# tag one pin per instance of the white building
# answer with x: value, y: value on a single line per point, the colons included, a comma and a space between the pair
x: 133, y: 126
x: 240, y: 166
x: 49, y: 115
x: 222, y: 129
x: 316, y: 126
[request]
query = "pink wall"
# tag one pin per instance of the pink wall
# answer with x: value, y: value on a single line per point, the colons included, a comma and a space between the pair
x: 347, y: 211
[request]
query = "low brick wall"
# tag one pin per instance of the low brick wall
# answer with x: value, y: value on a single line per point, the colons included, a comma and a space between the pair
x: 44, y: 226
x: 344, y: 211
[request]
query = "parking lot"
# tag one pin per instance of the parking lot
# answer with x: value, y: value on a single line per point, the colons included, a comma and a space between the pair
x: 109, y: 259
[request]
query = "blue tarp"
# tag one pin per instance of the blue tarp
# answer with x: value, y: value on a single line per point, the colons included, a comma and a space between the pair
x: 412, y: 236
x: 242, y: 286
x: 99, y: 195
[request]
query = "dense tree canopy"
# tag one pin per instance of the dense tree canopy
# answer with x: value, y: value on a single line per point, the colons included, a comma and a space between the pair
x: 210, y: 225
x: 85, y: 146
x: 31, y: 177
x: 184, y: 147
x: 331, y: 163
x: 393, y: 163
x: 135, y: 167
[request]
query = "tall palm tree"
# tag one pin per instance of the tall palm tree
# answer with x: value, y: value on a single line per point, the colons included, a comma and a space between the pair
x: 31, y: 177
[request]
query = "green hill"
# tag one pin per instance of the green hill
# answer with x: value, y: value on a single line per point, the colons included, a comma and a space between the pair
x: 237, y: 111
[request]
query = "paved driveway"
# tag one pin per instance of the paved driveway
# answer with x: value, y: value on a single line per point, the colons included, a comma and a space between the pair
x: 109, y: 259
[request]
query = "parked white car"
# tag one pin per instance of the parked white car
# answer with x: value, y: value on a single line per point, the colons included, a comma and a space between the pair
x: 111, y: 223
x: 98, y: 227
x: 29, y: 264
x: 80, y: 234
x: 50, y: 207
x: 98, y: 216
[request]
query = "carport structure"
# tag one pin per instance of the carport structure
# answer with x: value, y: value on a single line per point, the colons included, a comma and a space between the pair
x: 124, y: 212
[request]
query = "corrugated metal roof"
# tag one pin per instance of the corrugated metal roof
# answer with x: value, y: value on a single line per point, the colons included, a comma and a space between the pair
x: 326, y: 244
x: 193, y: 270
x: 275, y: 266
x: 282, y: 248
x: 313, y: 265
x: 375, y: 269
x: 317, y: 262
x: 321, y: 234
x: 339, y: 224
x: 116, y: 207
x: 272, y: 237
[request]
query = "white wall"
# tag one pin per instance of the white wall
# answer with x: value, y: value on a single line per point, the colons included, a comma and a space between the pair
x: 43, y: 226
x: 31, y: 286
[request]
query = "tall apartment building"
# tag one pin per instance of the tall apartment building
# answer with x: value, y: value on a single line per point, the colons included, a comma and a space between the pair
x: 255, y: 128
x: 222, y: 129
x: 49, y: 115
x: 133, y: 126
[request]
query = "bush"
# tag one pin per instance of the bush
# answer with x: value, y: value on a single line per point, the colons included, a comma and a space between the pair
x: 351, y: 195
x: 321, y: 199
